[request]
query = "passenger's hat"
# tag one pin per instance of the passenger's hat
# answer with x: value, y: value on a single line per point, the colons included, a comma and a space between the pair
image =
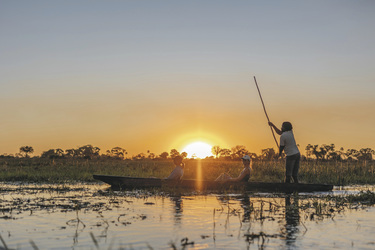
x: 246, y: 157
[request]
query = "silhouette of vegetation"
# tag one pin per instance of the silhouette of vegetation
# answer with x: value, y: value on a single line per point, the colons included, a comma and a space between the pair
x: 164, y: 155
x: 216, y: 151
x: 117, y: 153
x: 174, y: 153
x: 320, y: 164
x: 328, y: 152
x: 26, y: 150
x: 320, y: 153
x: 239, y: 151
x: 53, y: 153
x: 269, y: 154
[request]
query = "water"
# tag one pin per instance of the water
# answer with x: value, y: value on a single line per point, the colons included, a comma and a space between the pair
x: 90, y: 217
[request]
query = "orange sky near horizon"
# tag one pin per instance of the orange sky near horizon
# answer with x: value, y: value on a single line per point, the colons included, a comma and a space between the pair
x: 146, y: 76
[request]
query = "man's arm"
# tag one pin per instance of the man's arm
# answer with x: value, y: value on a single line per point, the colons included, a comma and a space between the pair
x: 281, y: 150
x: 278, y: 131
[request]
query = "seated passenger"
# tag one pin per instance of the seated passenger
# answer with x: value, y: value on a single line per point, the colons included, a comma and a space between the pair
x: 178, y: 171
x: 244, y: 175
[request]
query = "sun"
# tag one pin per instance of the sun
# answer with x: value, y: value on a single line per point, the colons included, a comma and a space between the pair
x: 198, y: 150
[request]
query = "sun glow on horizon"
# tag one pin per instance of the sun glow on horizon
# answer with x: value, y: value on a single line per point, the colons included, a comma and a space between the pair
x: 198, y: 150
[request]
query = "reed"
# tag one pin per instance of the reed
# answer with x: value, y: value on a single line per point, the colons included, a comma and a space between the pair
x: 41, y: 170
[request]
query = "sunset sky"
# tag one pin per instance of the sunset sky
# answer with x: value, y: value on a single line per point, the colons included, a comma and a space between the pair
x: 156, y: 75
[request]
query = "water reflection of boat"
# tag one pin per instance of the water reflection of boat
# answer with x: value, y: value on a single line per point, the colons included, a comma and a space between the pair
x: 123, y: 182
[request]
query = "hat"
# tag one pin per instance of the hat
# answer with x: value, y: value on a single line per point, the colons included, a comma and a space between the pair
x: 246, y: 157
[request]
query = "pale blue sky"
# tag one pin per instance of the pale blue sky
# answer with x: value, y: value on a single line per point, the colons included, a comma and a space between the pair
x: 139, y: 74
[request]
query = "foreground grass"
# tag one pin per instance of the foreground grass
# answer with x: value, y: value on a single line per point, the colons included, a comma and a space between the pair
x: 79, y: 170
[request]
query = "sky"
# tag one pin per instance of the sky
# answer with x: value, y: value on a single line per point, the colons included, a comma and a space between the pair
x: 157, y: 75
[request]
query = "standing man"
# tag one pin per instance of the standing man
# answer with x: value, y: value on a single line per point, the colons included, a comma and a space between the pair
x: 288, y: 144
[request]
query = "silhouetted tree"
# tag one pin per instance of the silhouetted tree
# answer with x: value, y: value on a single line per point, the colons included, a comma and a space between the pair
x: 253, y: 155
x: 87, y: 152
x: 313, y: 150
x: 341, y: 154
x: 184, y: 154
x: 59, y: 152
x: 309, y: 151
x: 216, y: 150
x: 174, y: 153
x: 365, y: 154
x: 269, y: 154
x: 239, y: 151
x: 53, y: 153
x: 118, y: 152
x: 26, y: 150
x: 70, y: 152
x: 328, y: 151
x: 164, y: 155
x: 151, y: 156
x: 139, y: 156
x: 352, y: 154
x: 225, y: 153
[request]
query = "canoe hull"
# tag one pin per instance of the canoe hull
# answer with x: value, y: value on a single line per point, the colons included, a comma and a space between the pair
x: 123, y: 182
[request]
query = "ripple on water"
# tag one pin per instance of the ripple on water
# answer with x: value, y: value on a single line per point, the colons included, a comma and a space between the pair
x: 65, y: 216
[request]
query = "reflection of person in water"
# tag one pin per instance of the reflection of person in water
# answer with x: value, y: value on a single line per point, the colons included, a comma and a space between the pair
x: 246, y: 206
x: 178, y: 208
x: 292, y: 218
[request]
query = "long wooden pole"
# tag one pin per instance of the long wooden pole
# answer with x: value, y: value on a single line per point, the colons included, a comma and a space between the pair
x: 264, y: 108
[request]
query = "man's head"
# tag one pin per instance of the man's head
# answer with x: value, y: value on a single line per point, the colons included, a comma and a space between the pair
x: 287, y: 126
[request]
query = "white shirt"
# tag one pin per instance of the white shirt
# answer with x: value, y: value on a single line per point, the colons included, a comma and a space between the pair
x: 176, y: 174
x: 244, y: 172
x: 287, y: 140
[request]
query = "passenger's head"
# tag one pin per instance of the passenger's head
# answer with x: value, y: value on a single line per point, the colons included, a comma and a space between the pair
x: 246, y: 160
x: 177, y: 160
x: 287, y: 126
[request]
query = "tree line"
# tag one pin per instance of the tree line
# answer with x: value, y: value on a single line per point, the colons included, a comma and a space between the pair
x: 322, y: 152
x: 328, y: 152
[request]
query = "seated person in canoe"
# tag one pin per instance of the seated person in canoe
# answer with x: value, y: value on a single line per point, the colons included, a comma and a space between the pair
x: 244, y: 175
x: 178, y: 171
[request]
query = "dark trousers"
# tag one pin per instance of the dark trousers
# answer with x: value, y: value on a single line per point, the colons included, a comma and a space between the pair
x: 292, y: 167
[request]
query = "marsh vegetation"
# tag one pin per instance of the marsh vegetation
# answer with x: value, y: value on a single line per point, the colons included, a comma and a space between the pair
x: 70, y: 170
x: 49, y: 201
x: 320, y: 164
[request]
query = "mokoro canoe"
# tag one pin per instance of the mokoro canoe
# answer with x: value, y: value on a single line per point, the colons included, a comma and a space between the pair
x: 123, y: 182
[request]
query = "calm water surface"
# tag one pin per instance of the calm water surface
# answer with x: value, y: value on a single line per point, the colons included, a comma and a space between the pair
x: 91, y: 217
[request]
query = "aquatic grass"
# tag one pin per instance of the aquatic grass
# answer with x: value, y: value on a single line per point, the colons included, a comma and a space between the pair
x: 297, y: 208
x: 363, y: 198
x: 41, y: 170
x: 338, y: 173
x: 69, y: 170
